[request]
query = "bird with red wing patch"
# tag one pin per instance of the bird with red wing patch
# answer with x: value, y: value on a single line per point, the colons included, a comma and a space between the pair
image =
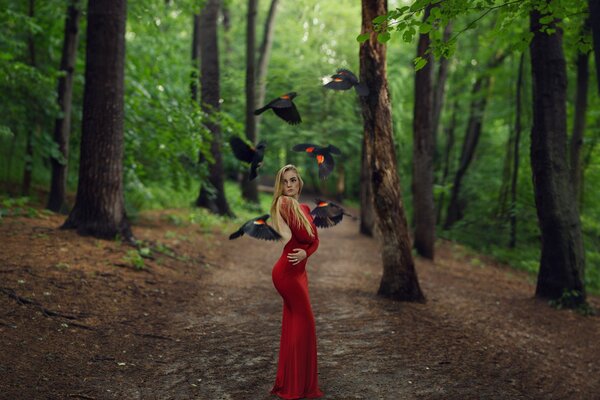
x: 323, y: 155
x: 345, y: 79
x: 327, y: 213
x: 257, y: 228
x: 249, y: 154
x: 284, y: 108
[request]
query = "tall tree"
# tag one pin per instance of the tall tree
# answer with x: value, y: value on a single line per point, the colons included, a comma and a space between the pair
x: 517, y: 141
x: 214, y: 198
x: 62, y: 126
x: 562, y: 260
x: 479, y: 95
x: 449, y: 131
x: 399, y: 280
x: 579, y: 122
x: 422, y: 182
x: 367, y: 212
x: 99, y: 208
x: 264, y: 53
x: 28, y: 167
x: 250, y: 188
x: 594, y: 6
x: 439, y: 91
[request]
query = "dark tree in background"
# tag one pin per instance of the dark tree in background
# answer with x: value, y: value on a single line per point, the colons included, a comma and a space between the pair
x: 562, y: 260
x: 399, y: 280
x: 62, y: 127
x: 423, y: 141
x: 214, y: 199
x: 249, y: 188
x: 99, y: 208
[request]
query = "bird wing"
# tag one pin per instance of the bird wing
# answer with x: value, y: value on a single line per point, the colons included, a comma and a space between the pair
x: 289, y: 114
x: 259, y: 229
x: 326, y: 164
x: 241, y: 150
x: 307, y: 147
x: 338, y: 83
x: 346, y: 73
x: 334, y: 150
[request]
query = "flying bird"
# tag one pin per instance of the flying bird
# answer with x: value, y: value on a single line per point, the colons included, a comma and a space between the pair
x: 284, y: 107
x: 344, y: 79
x: 249, y: 154
x: 327, y: 214
x: 257, y: 228
x: 323, y: 155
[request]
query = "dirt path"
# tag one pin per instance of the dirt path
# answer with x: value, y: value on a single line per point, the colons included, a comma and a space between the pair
x: 206, y: 326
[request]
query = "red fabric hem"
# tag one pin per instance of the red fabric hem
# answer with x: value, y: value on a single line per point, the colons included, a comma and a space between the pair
x: 286, y: 396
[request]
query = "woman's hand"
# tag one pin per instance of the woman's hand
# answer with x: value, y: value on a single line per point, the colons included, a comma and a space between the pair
x: 297, y: 256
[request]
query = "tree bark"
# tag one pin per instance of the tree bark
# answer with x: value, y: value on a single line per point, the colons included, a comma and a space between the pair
x: 28, y: 166
x: 479, y: 95
x: 62, y: 126
x: 562, y: 261
x: 579, y: 124
x: 515, y: 170
x: 438, y: 92
x: 250, y: 188
x: 399, y: 280
x: 195, y: 58
x: 213, y: 200
x: 422, y: 182
x: 264, y: 56
x: 367, y: 212
x: 99, y: 208
x: 447, y: 151
x: 594, y: 6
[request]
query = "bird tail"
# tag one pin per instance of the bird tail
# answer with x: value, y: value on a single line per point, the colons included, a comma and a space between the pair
x: 362, y: 89
x: 260, y: 110
x: 236, y: 234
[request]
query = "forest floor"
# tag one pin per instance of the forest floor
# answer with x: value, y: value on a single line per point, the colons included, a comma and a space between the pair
x: 201, y: 320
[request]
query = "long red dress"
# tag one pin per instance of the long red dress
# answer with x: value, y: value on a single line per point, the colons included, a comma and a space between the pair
x: 297, y: 367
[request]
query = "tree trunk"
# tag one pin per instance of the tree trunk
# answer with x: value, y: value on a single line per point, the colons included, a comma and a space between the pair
x: 594, y: 6
x: 422, y: 182
x: 264, y: 55
x: 447, y: 151
x: 250, y: 188
x: 99, y: 208
x: 62, y: 126
x: 213, y: 200
x: 438, y: 93
x: 478, y: 103
x: 479, y: 96
x: 399, y: 280
x: 195, y: 56
x: 515, y: 170
x: 562, y: 260
x: 28, y: 166
x: 367, y: 212
x: 579, y: 123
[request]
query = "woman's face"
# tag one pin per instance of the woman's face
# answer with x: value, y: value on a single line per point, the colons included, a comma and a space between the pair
x: 291, y: 183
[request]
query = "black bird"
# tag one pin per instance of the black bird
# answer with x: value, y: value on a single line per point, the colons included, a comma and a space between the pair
x: 249, y: 154
x: 284, y: 107
x: 257, y: 228
x: 323, y: 155
x: 344, y: 79
x: 327, y: 214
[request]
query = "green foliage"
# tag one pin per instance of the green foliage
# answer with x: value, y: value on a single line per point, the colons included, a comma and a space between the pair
x: 572, y: 299
x: 134, y: 257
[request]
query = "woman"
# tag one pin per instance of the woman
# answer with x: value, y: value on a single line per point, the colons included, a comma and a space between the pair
x: 297, y: 366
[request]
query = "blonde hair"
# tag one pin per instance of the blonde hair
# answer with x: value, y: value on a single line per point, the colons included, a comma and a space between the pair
x: 298, y: 217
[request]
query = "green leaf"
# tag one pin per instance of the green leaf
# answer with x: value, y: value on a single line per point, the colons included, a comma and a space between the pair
x: 363, y: 37
x: 383, y: 37
x: 424, y: 28
x: 380, y: 18
x: 419, y: 62
x: 547, y: 19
